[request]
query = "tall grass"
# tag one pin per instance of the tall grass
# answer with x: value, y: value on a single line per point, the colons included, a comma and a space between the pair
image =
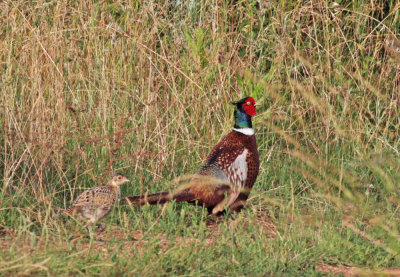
x: 143, y: 88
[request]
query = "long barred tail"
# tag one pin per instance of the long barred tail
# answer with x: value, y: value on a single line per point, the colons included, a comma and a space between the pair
x: 159, y: 198
x: 152, y: 199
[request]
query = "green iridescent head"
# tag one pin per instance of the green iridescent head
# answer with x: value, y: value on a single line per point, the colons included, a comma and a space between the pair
x: 245, y: 110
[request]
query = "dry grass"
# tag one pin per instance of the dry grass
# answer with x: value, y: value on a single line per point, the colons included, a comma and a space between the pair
x: 143, y: 88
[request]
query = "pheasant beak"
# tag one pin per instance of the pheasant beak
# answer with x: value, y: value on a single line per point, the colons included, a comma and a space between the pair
x: 257, y: 104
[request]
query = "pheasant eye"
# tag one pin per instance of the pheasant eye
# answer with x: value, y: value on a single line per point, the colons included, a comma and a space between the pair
x: 248, y: 103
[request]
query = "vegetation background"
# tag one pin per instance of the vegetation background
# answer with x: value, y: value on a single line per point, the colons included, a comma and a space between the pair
x: 143, y: 88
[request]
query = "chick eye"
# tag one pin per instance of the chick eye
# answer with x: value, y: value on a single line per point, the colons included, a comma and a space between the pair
x: 119, y: 177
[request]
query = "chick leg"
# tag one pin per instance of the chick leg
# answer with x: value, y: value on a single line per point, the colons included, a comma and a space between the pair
x: 90, y: 228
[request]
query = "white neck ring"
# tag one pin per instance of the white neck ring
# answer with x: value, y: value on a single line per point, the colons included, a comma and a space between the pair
x: 245, y: 131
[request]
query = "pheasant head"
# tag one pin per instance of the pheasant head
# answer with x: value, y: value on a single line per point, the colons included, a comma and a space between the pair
x: 245, y: 110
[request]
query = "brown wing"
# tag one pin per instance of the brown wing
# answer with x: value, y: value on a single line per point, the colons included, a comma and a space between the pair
x: 104, y: 196
x: 84, y: 199
x: 98, y: 196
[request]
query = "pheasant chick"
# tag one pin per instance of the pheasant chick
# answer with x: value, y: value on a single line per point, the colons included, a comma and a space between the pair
x: 96, y: 203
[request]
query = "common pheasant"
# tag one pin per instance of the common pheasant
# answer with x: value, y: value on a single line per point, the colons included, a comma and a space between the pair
x: 96, y: 203
x: 228, y: 174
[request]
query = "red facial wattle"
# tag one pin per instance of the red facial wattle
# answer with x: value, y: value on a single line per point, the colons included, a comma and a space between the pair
x: 249, y: 106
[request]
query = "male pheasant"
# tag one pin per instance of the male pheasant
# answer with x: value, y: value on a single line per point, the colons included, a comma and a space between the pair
x: 227, y: 176
x: 96, y: 203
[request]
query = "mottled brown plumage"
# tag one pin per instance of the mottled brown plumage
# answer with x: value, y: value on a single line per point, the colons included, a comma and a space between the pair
x: 226, y: 178
x: 96, y: 203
